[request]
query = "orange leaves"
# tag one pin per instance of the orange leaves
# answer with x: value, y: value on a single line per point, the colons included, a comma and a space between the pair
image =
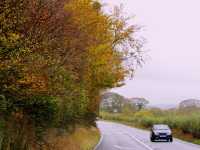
x: 36, y: 83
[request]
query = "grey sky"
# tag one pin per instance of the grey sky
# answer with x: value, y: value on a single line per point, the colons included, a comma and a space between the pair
x: 172, y: 29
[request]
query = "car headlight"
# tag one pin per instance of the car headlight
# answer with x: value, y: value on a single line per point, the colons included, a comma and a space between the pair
x: 156, y: 133
x: 169, y: 133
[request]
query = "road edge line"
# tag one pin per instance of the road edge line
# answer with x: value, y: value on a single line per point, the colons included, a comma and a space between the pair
x: 99, y: 143
x: 140, y: 142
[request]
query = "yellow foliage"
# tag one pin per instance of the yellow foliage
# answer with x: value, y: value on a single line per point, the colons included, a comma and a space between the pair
x: 82, y: 139
x: 143, y: 113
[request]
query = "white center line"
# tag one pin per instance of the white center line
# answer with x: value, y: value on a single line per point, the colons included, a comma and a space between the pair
x: 140, y: 142
x: 123, y: 148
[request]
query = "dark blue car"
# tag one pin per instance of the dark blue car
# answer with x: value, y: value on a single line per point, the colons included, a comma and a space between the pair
x: 161, y: 132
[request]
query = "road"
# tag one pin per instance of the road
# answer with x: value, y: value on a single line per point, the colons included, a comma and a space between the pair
x: 121, y: 137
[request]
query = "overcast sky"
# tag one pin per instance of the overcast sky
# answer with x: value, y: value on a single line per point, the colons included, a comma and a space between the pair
x: 172, y: 29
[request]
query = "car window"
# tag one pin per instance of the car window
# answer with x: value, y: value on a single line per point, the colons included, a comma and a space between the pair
x: 161, y: 127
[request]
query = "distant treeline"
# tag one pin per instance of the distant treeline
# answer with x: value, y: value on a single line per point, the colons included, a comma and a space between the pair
x: 113, y: 102
x: 56, y: 56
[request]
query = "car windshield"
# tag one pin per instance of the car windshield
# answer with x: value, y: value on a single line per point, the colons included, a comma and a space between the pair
x: 161, y: 127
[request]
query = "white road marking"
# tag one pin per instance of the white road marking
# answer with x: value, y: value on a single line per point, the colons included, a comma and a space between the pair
x: 123, y: 148
x: 140, y: 142
x: 100, y: 141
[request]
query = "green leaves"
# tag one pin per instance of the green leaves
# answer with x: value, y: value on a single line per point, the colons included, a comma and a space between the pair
x: 3, y: 103
x: 42, y: 109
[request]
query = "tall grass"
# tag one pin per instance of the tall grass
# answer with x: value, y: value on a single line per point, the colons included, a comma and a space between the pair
x: 83, y: 138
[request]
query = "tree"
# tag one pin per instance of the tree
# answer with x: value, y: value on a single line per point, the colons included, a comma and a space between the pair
x: 141, y: 103
x: 112, y: 102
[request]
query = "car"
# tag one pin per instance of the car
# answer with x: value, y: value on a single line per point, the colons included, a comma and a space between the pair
x: 161, y: 132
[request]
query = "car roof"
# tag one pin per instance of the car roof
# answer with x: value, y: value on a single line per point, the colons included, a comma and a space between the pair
x: 160, y: 126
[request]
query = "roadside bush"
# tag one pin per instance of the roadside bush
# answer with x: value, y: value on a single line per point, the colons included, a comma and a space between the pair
x: 26, y: 120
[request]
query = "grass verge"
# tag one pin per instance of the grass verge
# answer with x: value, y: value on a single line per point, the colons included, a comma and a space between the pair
x: 82, y: 139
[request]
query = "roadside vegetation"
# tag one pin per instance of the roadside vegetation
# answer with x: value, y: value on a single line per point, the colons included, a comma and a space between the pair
x: 184, y: 122
x: 83, y: 138
x: 56, y: 57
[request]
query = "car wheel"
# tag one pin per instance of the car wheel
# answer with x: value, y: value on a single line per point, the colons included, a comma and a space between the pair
x: 152, y: 139
x: 170, y: 140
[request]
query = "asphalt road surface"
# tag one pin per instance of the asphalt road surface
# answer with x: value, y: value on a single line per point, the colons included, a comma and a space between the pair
x: 121, y: 137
